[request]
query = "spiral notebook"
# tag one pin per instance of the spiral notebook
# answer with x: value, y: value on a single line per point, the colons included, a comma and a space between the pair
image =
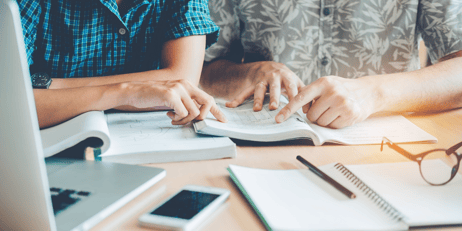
x: 390, y: 196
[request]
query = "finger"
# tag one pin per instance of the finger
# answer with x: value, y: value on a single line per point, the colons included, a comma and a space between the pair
x: 259, y: 95
x: 174, y: 101
x: 241, y: 97
x: 218, y: 114
x: 291, y: 86
x: 197, y: 104
x: 307, y: 107
x: 306, y: 95
x: 193, y: 111
x: 208, y: 104
x: 275, y: 93
x: 318, y: 108
x: 171, y: 114
x: 327, y: 117
x: 341, y: 122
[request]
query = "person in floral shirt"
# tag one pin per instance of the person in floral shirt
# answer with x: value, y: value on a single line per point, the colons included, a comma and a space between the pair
x: 339, y: 60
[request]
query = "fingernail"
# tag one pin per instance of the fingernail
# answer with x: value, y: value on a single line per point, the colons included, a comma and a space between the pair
x: 274, y: 105
x: 170, y: 116
x: 257, y: 105
x: 280, y: 118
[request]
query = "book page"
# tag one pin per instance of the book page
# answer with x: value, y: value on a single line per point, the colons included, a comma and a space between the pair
x: 245, y: 123
x: 373, y: 129
x: 65, y: 135
x: 301, y: 200
x: 153, y: 132
x: 402, y: 186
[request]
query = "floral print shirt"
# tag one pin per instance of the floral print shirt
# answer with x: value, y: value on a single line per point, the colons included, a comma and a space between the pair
x: 347, y: 38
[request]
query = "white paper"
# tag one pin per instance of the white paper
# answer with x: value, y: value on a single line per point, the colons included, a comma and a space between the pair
x: 245, y: 123
x: 402, y: 186
x: 373, y: 129
x: 74, y: 131
x: 152, y: 132
x: 300, y: 200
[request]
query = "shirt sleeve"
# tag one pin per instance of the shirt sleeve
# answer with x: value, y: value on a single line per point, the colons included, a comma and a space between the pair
x: 440, y: 24
x: 189, y: 17
x: 224, y: 14
x: 30, y: 16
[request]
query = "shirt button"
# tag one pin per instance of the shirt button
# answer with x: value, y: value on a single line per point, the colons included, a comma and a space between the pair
x: 326, y: 11
x: 122, y: 31
x: 324, y: 61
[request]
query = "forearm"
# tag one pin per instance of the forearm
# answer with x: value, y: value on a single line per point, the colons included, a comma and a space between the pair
x: 57, y: 106
x: 434, y: 88
x: 224, y: 78
x: 182, y: 58
x: 154, y: 75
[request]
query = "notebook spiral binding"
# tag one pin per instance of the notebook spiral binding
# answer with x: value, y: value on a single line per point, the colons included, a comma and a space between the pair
x: 371, y: 194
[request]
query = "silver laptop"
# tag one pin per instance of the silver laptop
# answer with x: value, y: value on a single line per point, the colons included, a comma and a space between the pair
x: 74, y: 194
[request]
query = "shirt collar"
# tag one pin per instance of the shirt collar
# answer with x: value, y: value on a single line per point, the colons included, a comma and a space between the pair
x: 112, y: 6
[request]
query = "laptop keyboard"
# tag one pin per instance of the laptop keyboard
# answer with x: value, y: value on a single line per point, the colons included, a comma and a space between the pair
x: 64, y: 198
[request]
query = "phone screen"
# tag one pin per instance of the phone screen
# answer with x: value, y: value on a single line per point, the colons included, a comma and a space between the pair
x: 185, y: 205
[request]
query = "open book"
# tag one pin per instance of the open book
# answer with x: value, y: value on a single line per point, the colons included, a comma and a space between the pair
x: 245, y: 124
x: 136, y: 138
x: 390, y: 196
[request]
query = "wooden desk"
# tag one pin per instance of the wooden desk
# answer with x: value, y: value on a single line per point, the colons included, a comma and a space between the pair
x: 237, y: 214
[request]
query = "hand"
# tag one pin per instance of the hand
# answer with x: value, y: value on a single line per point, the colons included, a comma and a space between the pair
x: 187, y: 101
x: 264, y: 76
x: 333, y: 101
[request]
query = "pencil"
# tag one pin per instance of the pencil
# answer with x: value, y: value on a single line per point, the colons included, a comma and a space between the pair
x: 327, y: 178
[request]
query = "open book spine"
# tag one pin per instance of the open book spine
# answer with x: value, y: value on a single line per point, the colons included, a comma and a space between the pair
x: 371, y: 194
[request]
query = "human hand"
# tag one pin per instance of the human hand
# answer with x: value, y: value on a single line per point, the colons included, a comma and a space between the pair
x: 264, y: 76
x: 333, y: 101
x: 187, y: 101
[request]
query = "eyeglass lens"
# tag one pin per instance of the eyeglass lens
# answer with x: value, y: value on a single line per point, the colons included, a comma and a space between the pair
x: 441, y: 171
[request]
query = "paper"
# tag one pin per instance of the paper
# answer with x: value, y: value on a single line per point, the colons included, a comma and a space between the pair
x: 300, y: 200
x: 402, y: 186
x: 65, y: 135
x: 373, y: 129
x: 244, y: 123
x: 153, y: 131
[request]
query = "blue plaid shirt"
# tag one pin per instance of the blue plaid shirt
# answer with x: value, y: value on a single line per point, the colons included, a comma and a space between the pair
x: 83, y: 38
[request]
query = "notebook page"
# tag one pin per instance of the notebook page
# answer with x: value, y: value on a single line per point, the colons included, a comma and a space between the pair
x: 300, y: 200
x: 402, y: 186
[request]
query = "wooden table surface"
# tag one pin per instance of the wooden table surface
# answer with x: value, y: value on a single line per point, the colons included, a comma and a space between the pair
x: 236, y: 213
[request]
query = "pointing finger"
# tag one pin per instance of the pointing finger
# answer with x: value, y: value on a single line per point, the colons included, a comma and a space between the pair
x: 306, y: 95
x: 241, y: 97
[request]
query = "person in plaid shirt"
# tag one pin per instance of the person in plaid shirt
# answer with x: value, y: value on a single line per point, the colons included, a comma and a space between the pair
x: 128, y: 55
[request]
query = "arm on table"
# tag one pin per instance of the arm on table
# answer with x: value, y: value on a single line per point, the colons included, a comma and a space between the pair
x: 338, y: 102
x: 170, y: 86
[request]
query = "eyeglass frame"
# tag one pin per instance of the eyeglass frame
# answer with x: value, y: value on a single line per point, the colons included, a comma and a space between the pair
x: 419, y: 157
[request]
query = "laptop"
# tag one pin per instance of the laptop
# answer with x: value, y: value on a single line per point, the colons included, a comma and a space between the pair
x: 60, y: 194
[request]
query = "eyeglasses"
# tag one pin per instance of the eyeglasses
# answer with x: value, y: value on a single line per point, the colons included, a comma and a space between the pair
x: 434, y: 174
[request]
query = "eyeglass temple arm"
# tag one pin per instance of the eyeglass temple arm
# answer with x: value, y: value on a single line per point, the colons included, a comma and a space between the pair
x: 454, y: 148
x: 398, y: 149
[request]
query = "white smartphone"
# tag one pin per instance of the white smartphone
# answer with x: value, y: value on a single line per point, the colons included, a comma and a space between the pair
x: 186, y: 209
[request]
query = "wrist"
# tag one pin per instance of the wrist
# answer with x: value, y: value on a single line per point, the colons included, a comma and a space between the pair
x: 112, y: 96
x: 377, y: 93
x: 122, y: 93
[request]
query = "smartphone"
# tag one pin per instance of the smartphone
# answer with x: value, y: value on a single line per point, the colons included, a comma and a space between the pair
x: 186, y: 209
